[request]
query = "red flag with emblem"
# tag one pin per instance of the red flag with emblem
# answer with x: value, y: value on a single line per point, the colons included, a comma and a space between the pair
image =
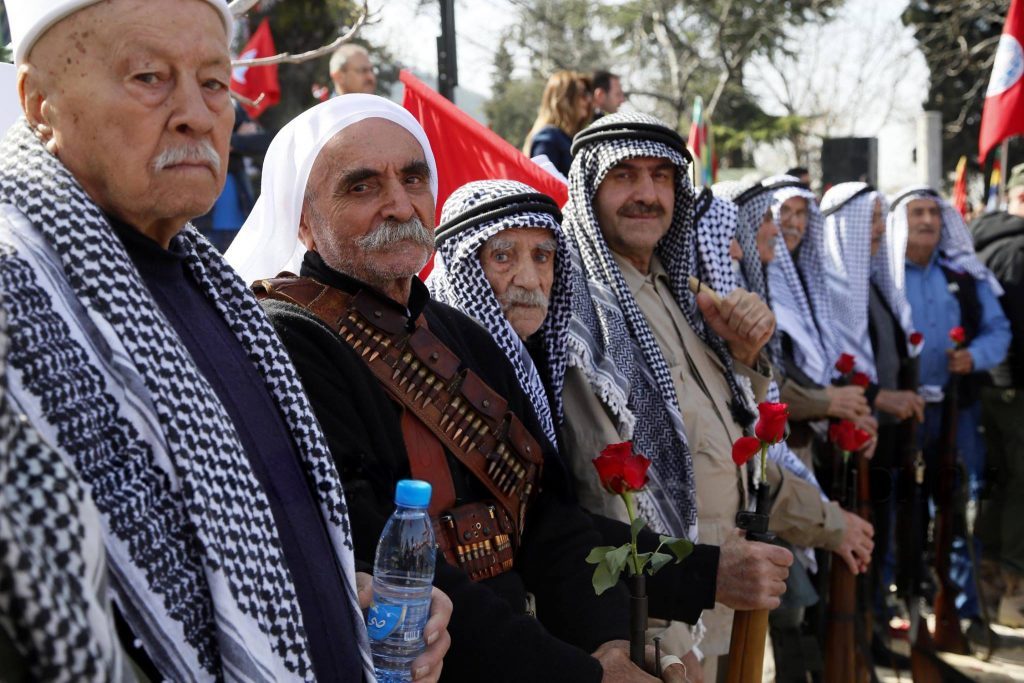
x: 252, y: 82
x: 1003, y: 115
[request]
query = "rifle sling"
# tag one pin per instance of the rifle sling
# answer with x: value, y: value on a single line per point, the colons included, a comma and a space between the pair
x: 455, y: 407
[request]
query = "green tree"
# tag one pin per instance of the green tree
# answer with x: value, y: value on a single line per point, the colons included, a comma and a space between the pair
x: 513, y: 104
x: 958, y: 39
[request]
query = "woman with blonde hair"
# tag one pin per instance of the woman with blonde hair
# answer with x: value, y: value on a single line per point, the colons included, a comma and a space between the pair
x: 566, y: 107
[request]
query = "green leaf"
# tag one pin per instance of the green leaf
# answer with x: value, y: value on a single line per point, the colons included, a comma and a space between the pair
x: 636, y: 527
x: 658, y: 560
x: 616, y: 558
x: 680, y: 547
x: 643, y: 559
x: 604, y: 579
x: 596, y: 555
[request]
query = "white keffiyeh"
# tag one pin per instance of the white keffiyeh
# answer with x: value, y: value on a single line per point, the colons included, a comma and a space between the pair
x: 195, y: 563
x: 458, y: 280
x: 851, y: 269
x: 956, y: 247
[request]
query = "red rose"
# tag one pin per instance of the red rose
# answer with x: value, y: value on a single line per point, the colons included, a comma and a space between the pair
x: 620, y: 469
x: 916, y: 338
x: 847, y: 436
x: 771, y: 422
x: 845, y: 364
x: 744, y: 449
x: 860, y: 379
x: 958, y: 335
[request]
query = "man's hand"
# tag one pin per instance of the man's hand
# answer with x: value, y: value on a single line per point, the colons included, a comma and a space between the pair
x: 690, y: 671
x: 751, y: 575
x: 846, y: 403
x: 870, y: 425
x: 961, y: 362
x: 426, y: 667
x: 857, y: 543
x: 743, y: 320
x: 900, y: 404
x: 618, y: 668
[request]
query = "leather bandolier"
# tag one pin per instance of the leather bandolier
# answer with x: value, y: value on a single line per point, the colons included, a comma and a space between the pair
x: 443, y: 407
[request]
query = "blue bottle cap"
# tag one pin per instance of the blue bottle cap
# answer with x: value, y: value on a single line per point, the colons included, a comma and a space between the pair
x: 412, y: 493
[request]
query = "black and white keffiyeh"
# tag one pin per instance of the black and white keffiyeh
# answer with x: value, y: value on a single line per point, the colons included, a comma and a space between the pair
x: 798, y: 293
x: 458, y: 280
x: 609, y: 339
x: 195, y: 563
x: 53, y: 594
x: 956, y: 248
x: 851, y: 269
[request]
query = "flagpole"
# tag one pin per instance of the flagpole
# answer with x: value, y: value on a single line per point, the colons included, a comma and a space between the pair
x: 1004, y: 155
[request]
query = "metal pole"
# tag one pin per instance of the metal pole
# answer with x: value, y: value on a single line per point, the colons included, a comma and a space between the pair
x: 447, y: 64
x: 1004, y: 170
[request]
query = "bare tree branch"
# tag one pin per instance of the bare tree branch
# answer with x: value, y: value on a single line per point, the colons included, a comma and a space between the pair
x: 238, y: 8
x: 286, y: 58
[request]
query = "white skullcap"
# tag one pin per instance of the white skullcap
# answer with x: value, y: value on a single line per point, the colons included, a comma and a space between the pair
x: 10, y: 105
x: 30, y: 19
x: 269, y: 243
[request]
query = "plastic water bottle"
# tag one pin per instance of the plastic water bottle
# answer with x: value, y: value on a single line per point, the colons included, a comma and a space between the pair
x: 403, y: 574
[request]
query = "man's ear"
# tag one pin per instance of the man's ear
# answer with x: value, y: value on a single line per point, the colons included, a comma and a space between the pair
x: 32, y: 93
x: 306, y: 232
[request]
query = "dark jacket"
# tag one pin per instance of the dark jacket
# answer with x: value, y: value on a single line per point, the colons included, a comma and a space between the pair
x: 999, y: 241
x: 556, y: 144
x: 492, y: 637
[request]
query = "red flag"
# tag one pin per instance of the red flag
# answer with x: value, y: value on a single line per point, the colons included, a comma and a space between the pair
x: 1003, y: 115
x: 465, y: 150
x: 252, y: 81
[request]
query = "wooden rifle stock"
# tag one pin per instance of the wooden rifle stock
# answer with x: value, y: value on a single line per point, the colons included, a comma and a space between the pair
x: 948, y: 636
x: 865, y: 586
x: 750, y: 629
x: 842, y: 592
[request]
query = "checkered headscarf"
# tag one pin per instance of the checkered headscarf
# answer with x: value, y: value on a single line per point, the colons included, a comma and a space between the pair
x: 850, y: 268
x: 956, y: 248
x: 609, y: 338
x: 798, y: 294
x: 458, y: 280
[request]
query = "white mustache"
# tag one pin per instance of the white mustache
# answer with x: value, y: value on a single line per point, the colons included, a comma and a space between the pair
x: 202, y: 152
x: 390, y: 233
x: 519, y: 296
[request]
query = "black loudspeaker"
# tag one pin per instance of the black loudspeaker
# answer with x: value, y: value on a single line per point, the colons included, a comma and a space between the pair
x: 848, y: 159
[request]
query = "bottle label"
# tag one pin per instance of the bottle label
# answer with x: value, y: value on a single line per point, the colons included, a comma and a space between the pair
x: 382, y: 620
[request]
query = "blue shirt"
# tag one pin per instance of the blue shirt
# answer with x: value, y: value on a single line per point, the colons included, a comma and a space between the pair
x: 556, y: 144
x: 936, y: 311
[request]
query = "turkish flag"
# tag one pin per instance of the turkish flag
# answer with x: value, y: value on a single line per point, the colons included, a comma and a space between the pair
x: 1003, y: 115
x: 252, y: 81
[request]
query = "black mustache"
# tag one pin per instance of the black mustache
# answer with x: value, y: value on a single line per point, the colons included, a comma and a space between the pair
x: 641, y: 210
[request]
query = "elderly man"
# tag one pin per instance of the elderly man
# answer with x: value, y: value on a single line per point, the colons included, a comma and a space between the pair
x: 351, y: 70
x: 647, y: 357
x: 144, y: 360
x: 948, y: 287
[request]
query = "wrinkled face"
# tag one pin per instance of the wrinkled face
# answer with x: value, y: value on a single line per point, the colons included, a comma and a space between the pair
x: 358, y: 76
x: 368, y: 209
x: 793, y: 221
x: 924, y: 225
x: 609, y: 101
x: 139, y: 109
x: 519, y: 264
x: 767, y: 233
x: 877, y: 226
x: 634, y: 205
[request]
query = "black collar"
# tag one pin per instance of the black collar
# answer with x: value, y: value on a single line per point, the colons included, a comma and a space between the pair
x: 314, y: 266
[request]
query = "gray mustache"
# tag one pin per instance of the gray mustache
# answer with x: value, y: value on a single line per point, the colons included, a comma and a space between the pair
x: 390, y: 233
x: 202, y: 151
x: 518, y: 296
